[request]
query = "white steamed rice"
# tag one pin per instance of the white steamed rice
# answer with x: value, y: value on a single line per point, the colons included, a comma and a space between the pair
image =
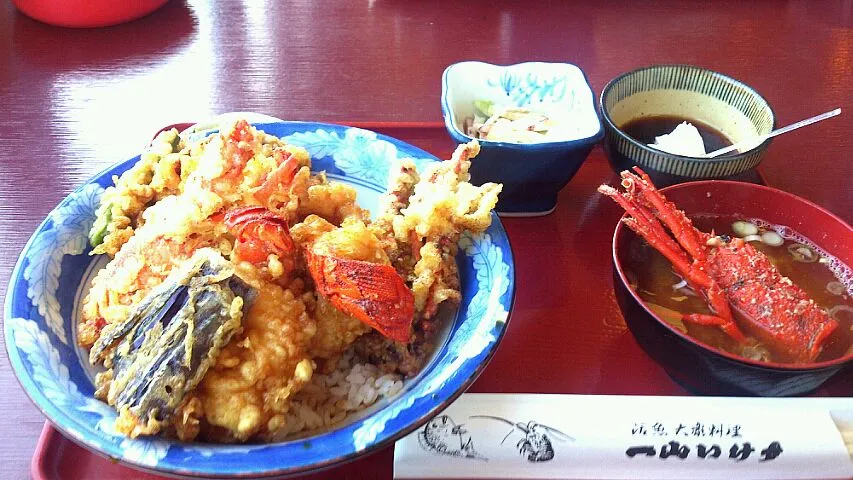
x: 328, y: 399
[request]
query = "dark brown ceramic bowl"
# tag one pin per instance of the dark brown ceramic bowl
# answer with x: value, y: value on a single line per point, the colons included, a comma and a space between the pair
x: 704, y: 369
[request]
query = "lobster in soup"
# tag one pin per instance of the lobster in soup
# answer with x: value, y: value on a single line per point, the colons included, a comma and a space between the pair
x: 750, y: 288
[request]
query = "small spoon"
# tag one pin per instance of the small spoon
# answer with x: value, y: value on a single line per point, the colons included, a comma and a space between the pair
x: 778, y: 131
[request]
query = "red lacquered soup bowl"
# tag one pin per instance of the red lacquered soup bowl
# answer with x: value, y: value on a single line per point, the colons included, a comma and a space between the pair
x: 702, y: 368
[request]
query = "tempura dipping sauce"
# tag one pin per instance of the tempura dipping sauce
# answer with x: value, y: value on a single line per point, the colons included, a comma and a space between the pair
x: 646, y: 129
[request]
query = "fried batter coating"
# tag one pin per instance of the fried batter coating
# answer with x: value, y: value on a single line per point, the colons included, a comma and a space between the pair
x: 441, y: 206
x: 310, y: 194
x: 335, y: 332
x: 147, y: 258
x: 425, y: 218
x: 401, y: 187
x: 257, y: 373
x: 353, y: 241
x: 169, y: 231
x: 333, y: 201
x: 168, y: 342
x: 445, y: 204
x: 156, y: 175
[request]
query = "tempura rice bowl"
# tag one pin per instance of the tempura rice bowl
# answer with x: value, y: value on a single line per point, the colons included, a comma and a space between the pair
x: 52, y: 273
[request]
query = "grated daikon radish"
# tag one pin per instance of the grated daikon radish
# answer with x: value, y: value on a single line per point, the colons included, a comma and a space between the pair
x: 684, y: 140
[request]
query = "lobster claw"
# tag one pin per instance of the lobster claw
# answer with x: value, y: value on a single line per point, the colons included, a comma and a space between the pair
x: 371, y: 292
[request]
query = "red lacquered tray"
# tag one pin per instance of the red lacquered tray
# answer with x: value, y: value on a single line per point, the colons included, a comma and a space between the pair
x: 566, y: 333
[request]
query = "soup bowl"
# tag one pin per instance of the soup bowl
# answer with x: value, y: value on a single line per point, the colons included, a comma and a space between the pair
x: 700, y: 367
x: 43, y: 305
x: 692, y: 93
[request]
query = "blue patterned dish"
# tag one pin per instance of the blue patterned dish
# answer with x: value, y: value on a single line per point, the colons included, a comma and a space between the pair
x: 533, y: 173
x: 47, y: 285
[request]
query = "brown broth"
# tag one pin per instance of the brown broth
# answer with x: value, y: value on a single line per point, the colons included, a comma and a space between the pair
x: 652, y: 277
x: 645, y: 129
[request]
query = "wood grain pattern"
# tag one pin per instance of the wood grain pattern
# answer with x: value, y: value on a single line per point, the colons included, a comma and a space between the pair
x: 75, y: 101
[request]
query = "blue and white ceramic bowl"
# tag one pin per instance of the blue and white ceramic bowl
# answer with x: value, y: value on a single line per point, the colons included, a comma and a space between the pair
x: 532, y: 174
x: 44, y: 297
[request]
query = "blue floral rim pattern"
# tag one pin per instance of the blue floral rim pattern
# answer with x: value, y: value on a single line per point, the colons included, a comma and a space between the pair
x: 45, y: 291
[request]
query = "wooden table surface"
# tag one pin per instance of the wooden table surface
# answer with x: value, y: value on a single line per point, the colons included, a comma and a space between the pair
x: 75, y: 101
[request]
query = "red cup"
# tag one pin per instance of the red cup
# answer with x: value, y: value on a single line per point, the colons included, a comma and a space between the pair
x: 87, y: 13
